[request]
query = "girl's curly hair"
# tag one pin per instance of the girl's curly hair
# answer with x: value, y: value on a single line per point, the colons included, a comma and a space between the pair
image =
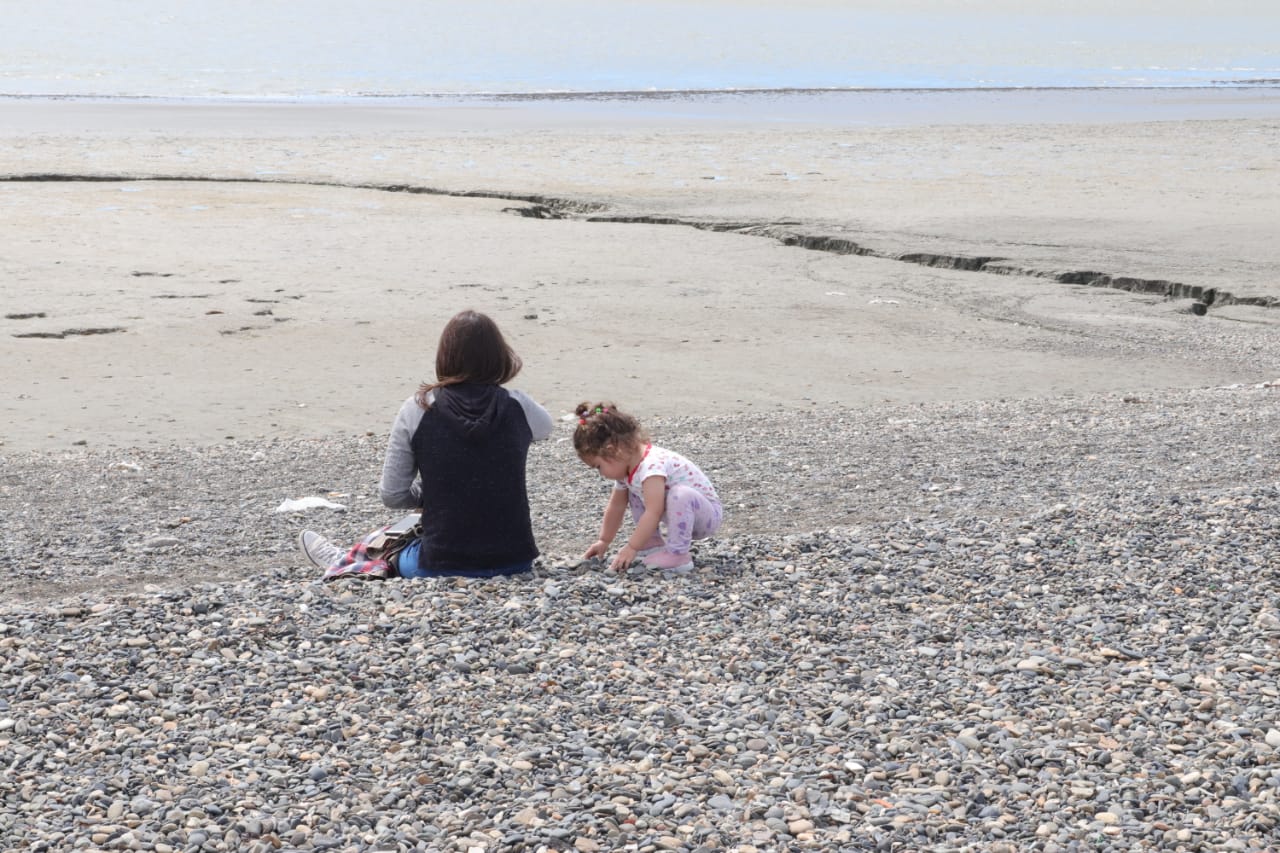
x: 603, y: 430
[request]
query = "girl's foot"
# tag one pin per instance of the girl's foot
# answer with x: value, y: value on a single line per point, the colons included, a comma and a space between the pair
x: 670, y: 561
x: 653, y: 546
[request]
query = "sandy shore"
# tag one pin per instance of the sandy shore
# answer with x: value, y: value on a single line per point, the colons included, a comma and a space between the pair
x: 286, y: 292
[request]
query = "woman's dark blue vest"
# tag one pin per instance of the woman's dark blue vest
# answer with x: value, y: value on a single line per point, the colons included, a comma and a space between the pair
x: 475, y: 506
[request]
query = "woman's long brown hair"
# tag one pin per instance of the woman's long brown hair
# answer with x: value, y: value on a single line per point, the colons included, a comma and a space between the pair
x: 471, y: 349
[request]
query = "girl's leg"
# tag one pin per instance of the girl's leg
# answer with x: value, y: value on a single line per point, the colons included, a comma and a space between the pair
x: 690, y: 515
x: 655, y: 541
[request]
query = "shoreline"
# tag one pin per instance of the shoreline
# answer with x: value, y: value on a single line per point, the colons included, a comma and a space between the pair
x: 634, y: 94
x: 854, y: 108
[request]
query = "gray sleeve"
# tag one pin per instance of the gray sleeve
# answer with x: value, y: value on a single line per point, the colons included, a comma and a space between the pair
x: 400, y: 488
x: 540, y: 423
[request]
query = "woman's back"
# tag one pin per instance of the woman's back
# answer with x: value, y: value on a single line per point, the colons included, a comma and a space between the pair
x: 470, y: 449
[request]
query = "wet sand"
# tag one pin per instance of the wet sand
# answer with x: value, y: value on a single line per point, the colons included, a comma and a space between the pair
x: 184, y: 272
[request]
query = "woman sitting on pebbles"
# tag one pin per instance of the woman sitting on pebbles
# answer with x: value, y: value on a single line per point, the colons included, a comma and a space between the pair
x: 457, y: 451
x: 661, y: 487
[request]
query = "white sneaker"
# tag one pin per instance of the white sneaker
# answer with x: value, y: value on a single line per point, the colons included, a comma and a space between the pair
x: 322, y: 553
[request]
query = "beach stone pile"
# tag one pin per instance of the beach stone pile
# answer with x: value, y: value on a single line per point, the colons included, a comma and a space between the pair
x: 1005, y: 625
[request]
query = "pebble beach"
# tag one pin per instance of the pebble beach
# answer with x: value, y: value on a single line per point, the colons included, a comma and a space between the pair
x: 1032, y: 625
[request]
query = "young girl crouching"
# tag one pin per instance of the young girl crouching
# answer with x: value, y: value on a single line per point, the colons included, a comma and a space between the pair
x: 661, y: 487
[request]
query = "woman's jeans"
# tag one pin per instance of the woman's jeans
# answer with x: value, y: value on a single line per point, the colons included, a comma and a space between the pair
x: 407, y: 565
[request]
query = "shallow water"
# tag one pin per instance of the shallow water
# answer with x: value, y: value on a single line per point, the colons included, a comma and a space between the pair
x: 337, y: 48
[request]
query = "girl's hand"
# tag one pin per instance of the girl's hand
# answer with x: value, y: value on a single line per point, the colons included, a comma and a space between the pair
x: 625, y: 557
x: 598, y: 549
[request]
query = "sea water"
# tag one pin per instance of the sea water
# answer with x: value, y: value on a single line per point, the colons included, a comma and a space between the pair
x: 338, y: 49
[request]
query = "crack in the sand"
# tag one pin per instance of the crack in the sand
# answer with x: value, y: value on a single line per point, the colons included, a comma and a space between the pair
x: 68, y: 333
x: 546, y: 207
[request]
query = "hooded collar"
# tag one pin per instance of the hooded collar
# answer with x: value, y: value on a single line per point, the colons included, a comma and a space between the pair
x: 470, y: 408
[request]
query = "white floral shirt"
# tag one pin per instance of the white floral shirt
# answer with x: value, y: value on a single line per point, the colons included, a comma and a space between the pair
x: 660, y: 462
